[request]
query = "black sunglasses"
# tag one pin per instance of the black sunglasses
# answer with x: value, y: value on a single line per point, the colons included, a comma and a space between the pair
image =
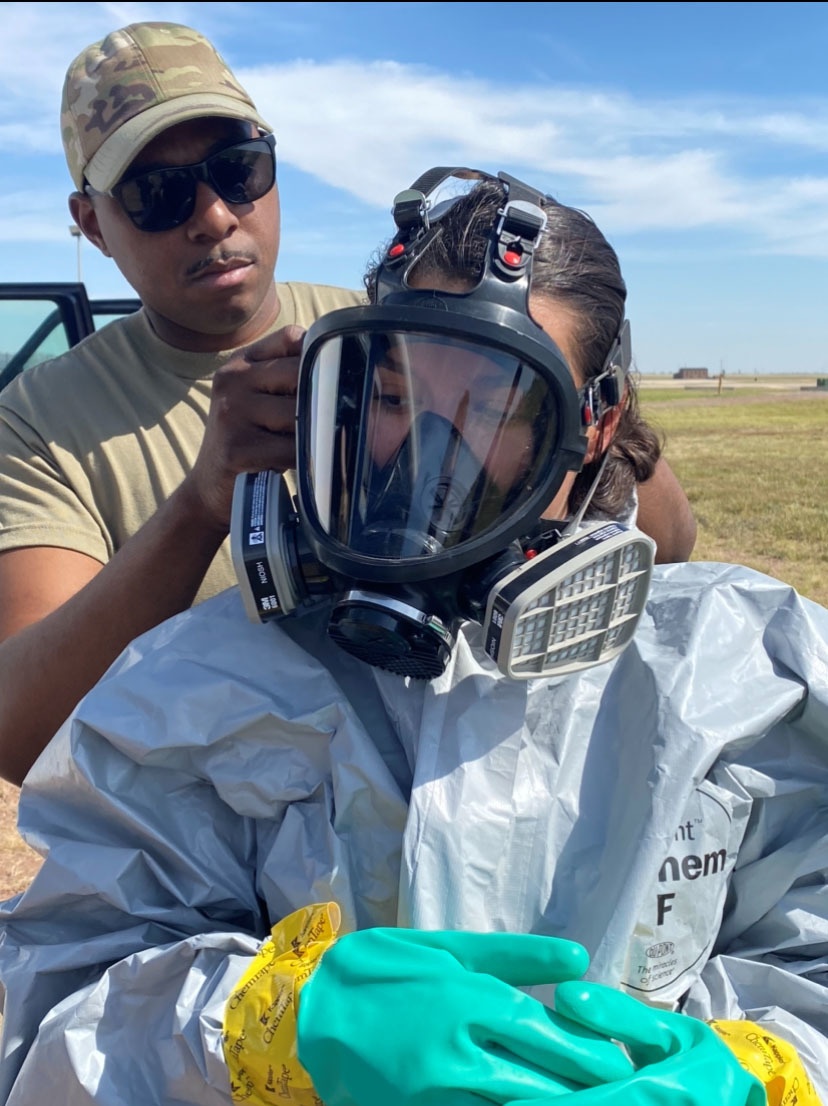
x: 165, y: 198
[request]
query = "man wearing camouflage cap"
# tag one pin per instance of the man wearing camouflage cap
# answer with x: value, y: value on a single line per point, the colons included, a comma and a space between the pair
x: 119, y: 457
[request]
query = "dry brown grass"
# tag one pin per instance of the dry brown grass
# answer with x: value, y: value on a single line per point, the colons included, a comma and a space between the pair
x: 18, y: 863
x: 754, y: 463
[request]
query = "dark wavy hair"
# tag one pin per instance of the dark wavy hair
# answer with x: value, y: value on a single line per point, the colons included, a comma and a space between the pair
x: 573, y: 265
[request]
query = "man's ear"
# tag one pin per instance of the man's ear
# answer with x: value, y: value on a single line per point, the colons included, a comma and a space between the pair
x: 600, y: 435
x: 83, y: 212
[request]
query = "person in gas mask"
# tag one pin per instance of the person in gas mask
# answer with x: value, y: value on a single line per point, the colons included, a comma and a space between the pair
x: 455, y: 432
x: 279, y: 871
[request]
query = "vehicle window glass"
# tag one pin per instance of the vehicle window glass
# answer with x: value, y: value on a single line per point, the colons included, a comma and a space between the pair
x: 102, y: 318
x: 34, y: 324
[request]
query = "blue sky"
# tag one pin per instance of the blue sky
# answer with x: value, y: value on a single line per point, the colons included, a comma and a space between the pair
x: 695, y: 134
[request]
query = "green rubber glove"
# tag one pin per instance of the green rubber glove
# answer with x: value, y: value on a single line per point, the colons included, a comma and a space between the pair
x: 680, y: 1060
x: 434, y: 1018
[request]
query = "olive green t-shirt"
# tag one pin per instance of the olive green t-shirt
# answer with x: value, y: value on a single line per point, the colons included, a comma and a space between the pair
x: 92, y: 442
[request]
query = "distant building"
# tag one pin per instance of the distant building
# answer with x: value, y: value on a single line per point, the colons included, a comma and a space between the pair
x: 691, y: 374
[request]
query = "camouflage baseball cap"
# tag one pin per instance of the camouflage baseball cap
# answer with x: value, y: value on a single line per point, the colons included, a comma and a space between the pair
x: 123, y: 91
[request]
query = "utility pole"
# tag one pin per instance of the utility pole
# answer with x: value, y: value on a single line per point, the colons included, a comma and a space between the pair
x: 75, y: 231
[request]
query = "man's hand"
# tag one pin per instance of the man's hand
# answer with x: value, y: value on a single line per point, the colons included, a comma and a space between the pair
x: 65, y: 617
x: 252, y: 421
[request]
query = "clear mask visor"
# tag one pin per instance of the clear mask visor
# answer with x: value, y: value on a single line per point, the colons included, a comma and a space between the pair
x: 421, y: 442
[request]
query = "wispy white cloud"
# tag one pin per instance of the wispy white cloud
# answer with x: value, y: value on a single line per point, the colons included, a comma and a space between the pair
x: 643, y: 165
x: 639, y: 164
x: 40, y: 39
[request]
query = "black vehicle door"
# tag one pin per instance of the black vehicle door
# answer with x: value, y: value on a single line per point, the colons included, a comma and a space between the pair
x: 41, y: 320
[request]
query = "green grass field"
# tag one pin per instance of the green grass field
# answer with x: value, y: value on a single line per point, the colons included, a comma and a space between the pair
x: 753, y: 460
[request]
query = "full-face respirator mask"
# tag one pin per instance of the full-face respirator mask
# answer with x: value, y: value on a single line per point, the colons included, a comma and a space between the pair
x: 433, y: 430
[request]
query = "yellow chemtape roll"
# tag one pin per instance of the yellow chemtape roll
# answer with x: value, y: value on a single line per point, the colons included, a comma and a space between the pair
x: 773, y: 1061
x: 260, y: 1016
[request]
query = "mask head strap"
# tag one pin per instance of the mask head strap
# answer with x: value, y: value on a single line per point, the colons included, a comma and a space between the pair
x: 520, y: 223
x: 607, y: 388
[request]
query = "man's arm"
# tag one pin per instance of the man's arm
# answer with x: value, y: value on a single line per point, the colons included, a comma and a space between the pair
x: 64, y: 617
x: 665, y: 514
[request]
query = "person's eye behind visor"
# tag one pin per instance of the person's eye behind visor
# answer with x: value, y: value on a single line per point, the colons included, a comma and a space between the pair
x: 422, y: 442
x: 162, y: 199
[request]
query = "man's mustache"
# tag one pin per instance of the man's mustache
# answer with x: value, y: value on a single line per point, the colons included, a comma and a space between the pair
x: 222, y: 258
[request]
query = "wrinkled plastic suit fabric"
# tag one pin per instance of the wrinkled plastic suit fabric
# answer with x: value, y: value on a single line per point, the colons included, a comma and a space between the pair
x: 667, y: 810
